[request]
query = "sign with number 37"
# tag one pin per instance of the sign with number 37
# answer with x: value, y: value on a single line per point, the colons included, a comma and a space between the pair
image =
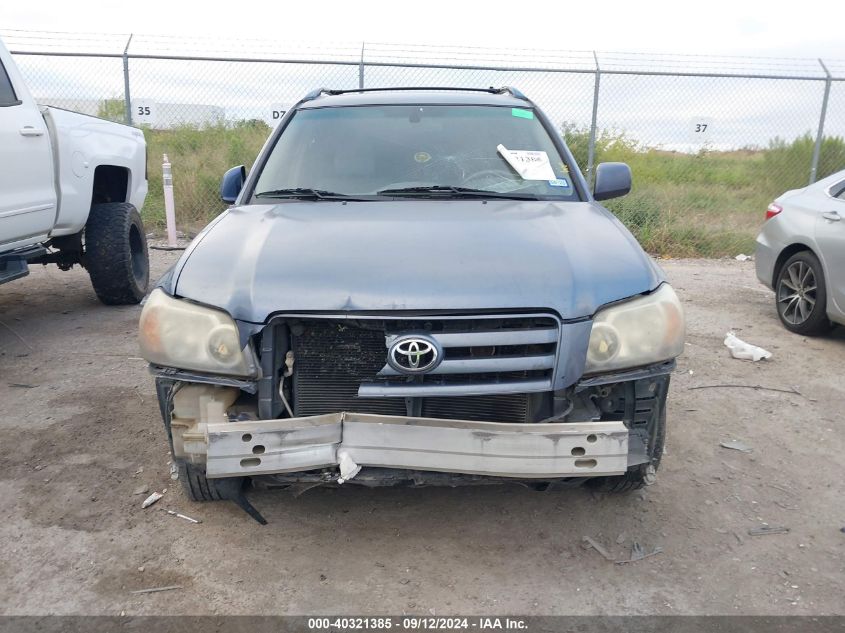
x: 701, y: 129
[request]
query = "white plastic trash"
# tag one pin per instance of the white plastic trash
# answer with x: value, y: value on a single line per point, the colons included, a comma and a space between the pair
x: 745, y: 351
x: 152, y: 499
x: 348, y: 467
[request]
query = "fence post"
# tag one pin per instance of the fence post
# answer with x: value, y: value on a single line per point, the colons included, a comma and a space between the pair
x: 817, y: 150
x: 591, y: 150
x: 361, y: 69
x: 127, y: 101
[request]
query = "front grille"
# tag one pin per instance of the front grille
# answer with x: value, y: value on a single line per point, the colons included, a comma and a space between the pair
x: 331, y: 360
x: 489, y: 368
x: 508, y: 408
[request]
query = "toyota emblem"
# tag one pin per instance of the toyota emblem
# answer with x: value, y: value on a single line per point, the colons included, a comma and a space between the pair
x: 414, y: 354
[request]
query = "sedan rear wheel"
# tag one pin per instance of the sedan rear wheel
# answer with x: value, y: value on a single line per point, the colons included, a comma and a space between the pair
x: 801, y: 295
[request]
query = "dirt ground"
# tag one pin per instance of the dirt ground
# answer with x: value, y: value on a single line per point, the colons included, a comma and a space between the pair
x: 81, y: 432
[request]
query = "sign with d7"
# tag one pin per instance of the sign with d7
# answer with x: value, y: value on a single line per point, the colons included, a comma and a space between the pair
x: 277, y: 111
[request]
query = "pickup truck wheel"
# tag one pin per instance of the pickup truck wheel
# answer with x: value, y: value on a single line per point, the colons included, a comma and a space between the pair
x: 116, y: 253
x: 641, y: 474
x: 196, y: 485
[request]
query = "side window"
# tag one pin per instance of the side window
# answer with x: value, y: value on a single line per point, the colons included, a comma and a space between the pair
x: 838, y: 190
x: 7, y: 93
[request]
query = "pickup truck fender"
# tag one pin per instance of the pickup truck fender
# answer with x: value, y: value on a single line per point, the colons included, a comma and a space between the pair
x: 86, y: 149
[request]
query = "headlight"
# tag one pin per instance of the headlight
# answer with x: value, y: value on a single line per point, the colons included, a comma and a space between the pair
x: 177, y: 333
x: 639, y: 332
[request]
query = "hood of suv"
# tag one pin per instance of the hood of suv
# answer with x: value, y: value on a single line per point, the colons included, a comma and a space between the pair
x: 417, y: 255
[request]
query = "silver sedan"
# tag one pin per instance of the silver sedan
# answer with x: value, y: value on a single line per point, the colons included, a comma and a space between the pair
x: 801, y: 255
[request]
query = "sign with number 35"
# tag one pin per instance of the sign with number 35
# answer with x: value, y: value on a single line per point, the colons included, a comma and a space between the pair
x: 144, y: 111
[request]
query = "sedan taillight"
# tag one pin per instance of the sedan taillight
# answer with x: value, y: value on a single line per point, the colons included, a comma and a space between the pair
x: 773, y: 210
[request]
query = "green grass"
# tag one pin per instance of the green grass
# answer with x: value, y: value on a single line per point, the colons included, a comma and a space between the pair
x: 199, y: 158
x: 709, y: 204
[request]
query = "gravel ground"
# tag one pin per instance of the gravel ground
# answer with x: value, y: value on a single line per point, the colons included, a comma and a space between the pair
x: 82, y: 433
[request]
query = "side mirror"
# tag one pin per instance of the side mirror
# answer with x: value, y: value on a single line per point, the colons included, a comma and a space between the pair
x: 233, y: 182
x: 612, y: 181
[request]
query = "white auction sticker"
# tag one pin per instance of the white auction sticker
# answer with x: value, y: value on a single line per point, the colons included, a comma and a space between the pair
x: 529, y: 164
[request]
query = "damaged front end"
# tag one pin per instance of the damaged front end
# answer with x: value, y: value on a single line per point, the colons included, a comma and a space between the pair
x: 328, y: 409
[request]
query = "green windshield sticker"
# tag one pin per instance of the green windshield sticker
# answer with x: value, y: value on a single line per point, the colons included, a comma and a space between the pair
x: 522, y: 114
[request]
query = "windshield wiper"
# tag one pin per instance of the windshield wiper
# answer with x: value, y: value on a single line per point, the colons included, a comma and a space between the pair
x: 304, y: 193
x: 453, y: 192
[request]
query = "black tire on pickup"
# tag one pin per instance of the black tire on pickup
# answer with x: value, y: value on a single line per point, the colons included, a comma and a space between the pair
x: 197, y: 486
x: 641, y: 474
x: 116, y: 253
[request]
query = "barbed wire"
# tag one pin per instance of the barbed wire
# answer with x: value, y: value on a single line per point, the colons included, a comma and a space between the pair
x: 458, y: 55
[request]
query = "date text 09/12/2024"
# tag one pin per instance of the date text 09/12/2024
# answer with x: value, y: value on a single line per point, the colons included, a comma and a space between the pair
x: 416, y: 623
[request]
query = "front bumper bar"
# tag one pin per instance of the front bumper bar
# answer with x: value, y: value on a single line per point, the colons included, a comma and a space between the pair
x: 350, y: 440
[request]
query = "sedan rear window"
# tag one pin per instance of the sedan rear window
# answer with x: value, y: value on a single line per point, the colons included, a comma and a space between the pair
x: 416, y: 149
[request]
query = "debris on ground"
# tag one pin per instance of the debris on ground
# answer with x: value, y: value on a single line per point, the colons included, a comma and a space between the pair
x: 745, y: 351
x: 174, y: 472
x: 21, y: 385
x: 157, y: 589
x: 736, y: 445
x: 794, y: 390
x: 601, y: 550
x: 18, y: 336
x: 151, y: 499
x: 763, y: 530
x: 182, y: 516
x: 742, y: 257
x: 638, y: 553
x: 141, y: 490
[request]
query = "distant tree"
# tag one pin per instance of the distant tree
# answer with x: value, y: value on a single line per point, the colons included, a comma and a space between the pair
x: 112, y: 110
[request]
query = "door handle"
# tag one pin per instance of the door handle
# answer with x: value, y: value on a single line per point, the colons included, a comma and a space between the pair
x: 28, y: 130
x: 833, y: 216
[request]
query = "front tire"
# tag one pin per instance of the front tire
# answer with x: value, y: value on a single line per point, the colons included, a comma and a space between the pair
x: 196, y: 485
x: 801, y: 295
x: 116, y: 253
x: 641, y: 474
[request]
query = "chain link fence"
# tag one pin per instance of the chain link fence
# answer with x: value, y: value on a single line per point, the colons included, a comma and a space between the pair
x: 711, y: 140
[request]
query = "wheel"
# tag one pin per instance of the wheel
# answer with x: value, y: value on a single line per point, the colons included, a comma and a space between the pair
x: 801, y: 295
x: 195, y: 484
x: 116, y: 253
x: 641, y: 474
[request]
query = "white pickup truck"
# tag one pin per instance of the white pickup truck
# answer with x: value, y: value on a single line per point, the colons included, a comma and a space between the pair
x: 70, y: 189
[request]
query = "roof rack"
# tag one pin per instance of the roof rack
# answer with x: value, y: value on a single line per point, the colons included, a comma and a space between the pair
x: 491, y: 90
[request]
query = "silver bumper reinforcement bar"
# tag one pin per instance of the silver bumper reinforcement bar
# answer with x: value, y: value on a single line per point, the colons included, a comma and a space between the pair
x: 352, y: 440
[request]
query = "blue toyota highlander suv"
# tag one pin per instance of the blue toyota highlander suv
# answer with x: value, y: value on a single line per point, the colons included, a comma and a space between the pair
x: 414, y: 286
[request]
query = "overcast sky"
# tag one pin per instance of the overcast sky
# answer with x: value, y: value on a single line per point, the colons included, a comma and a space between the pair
x: 811, y: 28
